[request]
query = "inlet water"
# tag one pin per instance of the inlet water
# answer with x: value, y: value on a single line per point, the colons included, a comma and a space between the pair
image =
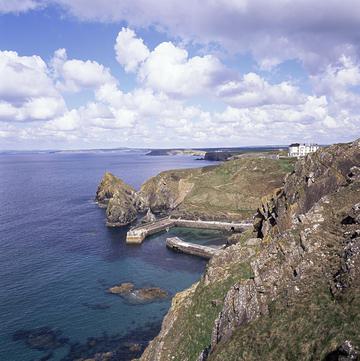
x: 57, y: 258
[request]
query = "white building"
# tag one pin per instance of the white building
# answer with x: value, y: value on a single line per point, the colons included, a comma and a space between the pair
x: 300, y: 150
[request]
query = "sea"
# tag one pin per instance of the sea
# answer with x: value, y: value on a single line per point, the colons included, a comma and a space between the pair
x: 58, y: 259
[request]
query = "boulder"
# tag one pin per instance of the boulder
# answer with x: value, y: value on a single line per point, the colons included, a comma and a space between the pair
x: 149, y: 217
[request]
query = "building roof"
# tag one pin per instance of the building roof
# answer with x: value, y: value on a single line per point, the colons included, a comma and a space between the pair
x: 294, y: 145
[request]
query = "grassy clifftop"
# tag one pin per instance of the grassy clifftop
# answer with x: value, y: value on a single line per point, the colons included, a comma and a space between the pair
x: 231, y: 190
x: 228, y: 191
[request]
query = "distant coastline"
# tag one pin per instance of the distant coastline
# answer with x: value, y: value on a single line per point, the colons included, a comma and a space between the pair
x: 214, y: 154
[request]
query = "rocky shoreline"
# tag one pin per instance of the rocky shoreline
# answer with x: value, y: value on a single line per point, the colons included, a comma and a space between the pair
x: 286, y: 289
x: 290, y: 288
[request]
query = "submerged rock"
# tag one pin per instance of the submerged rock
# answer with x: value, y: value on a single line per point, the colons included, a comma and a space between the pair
x: 141, y: 295
x: 96, y: 306
x: 42, y: 339
x: 149, y: 294
x: 124, y: 347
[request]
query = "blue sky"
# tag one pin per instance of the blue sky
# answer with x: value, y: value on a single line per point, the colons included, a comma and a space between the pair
x: 144, y: 73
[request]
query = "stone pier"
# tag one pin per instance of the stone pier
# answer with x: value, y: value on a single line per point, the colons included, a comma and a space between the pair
x: 194, y: 249
x: 137, y: 234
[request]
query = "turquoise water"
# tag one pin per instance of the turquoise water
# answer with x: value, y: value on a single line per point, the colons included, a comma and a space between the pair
x: 203, y: 237
x: 58, y: 259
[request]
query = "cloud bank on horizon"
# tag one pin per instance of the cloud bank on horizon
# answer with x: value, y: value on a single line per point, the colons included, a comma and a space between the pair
x: 189, y: 88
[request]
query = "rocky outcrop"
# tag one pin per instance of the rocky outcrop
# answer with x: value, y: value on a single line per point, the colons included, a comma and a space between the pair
x: 293, y: 294
x: 156, y: 350
x: 345, y: 352
x: 230, y: 191
x: 315, y: 176
x: 304, y: 226
x: 160, y: 194
x: 167, y: 190
x: 120, y: 211
x: 110, y: 185
x: 121, y: 201
x: 149, y: 217
x: 122, y: 288
x: 138, y: 295
x: 218, y: 156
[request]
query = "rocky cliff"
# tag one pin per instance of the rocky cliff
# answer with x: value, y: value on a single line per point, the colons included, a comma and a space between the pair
x: 229, y: 191
x: 291, y: 290
x: 167, y: 190
x: 121, y: 200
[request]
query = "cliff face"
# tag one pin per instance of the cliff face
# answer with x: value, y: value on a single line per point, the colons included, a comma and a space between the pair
x: 319, y: 174
x: 167, y: 190
x: 291, y: 294
x: 229, y: 191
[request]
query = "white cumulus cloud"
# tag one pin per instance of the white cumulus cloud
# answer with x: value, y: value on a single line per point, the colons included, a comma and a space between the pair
x: 315, y: 32
x: 168, y: 68
x: 75, y: 75
x: 253, y: 90
x: 27, y: 91
x: 130, y: 50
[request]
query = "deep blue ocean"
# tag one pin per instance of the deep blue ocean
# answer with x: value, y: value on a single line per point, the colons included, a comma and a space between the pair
x: 57, y: 257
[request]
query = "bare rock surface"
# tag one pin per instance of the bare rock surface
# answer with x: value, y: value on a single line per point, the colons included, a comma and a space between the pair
x: 122, y: 288
x: 138, y: 295
x: 121, y: 201
x: 149, y: 217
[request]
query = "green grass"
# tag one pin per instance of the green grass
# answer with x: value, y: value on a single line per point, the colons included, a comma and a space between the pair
x: 306, y: 330
x: 236, y: 186
x: 231, y: 190
x: 197, y: 321
x: 287, y: 164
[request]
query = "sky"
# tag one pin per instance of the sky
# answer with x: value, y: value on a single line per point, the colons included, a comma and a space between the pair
x: 80, y: 74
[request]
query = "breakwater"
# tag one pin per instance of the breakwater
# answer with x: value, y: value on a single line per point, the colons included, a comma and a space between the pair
x: 177, y: 244
x: 136, y: 235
